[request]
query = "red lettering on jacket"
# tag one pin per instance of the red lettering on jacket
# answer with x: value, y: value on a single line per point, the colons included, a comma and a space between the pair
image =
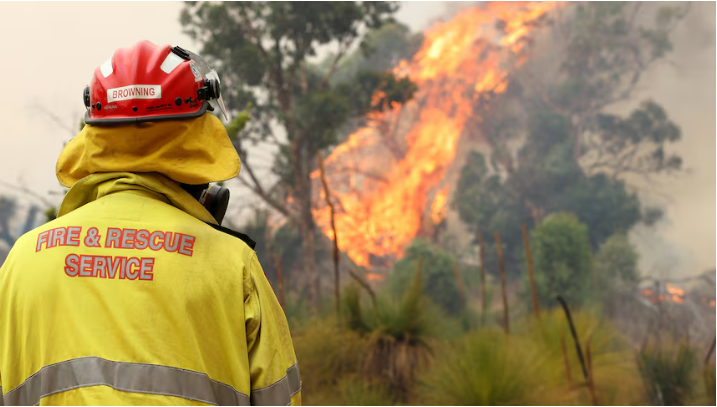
x: 72, y: 262
x: 60, y: 236
x: 108, y: 267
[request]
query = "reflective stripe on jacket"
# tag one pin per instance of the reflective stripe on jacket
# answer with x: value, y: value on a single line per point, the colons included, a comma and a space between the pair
x: 130, y: 300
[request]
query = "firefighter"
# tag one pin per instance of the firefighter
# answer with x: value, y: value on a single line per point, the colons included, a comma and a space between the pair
x: 135, y: 294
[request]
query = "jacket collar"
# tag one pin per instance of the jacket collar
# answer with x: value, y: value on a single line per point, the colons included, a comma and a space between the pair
x: 151, y: 185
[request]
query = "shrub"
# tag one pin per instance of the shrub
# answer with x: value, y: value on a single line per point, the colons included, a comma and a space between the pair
x: 438, y: 281
x: 485, y: 368
x: 615, y: 371
x: 616, y: 263
x: 398, y: 330
x: 563, y: 264
x: 669, y: 372
x: 326, y: 354
x: 358, y: 391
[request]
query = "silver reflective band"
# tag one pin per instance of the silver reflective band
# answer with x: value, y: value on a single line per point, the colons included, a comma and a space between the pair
x: 279, y: 393
x: 1, y: 403
x: 123, y: 376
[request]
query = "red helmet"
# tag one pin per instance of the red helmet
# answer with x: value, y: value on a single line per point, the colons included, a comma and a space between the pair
x: 148, y: 82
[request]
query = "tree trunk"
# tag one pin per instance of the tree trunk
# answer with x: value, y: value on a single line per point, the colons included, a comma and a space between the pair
x: 311, y: 274
x: 302, y: 193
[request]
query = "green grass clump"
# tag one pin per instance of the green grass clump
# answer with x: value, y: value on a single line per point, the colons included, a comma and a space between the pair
x: 669, y: 371
x: 327, y: 353
x: 616, y: 376
x: 359, y: 391
x: 486, y: 368
x: 399, y: 331
x: 710, y: 385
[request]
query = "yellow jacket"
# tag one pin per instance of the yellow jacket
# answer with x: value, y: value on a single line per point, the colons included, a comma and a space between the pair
x: 131, y: 296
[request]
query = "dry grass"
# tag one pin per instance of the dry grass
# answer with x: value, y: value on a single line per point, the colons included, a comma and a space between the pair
x: 615, y: 372
x: 360, y: 391
x: 327, y: 355
x: 486, y: 368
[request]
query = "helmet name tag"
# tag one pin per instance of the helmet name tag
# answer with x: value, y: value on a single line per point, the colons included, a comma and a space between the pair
x: 134, y: 92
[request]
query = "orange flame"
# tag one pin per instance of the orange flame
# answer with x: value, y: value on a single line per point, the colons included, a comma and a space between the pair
x: 677, y: 295
x: 382, y: 175
x: 374, y: 277
x: 438, y: 207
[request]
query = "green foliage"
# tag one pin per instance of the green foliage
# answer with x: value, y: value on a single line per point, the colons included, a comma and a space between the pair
x: 399, y: 329
x: 616, y: 263
x: 365, y: 392
x: 668, y: 371
x: 483, y: 369
x: 528, y: 368
x: 573, y: 151
x: 327, y: 355
x: 616, y: 376
x: 239, y: 122
x: 409, y: 317
x: 403, y: 319
x: 479, y: 199
x: 710, y: 384
x: 50, y: 214
x: 563, y: 263
x: 438, y: 281
x: 607, y: 50
x: 393, y: 91
x: 606, y: 53
x: 637, y: 142
x: 381, y: 50
x: 547, y: 181
x: 601, y: 202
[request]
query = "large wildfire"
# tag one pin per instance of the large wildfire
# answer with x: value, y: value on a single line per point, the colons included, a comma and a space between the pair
x: 387, y: 179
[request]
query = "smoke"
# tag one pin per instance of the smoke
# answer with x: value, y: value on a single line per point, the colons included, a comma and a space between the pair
x: 683, y: 244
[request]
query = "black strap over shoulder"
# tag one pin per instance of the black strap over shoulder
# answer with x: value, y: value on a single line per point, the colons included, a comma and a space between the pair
x: 241, y: 236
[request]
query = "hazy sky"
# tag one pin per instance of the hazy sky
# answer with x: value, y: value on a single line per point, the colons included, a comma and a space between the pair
x: 50, y: 51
